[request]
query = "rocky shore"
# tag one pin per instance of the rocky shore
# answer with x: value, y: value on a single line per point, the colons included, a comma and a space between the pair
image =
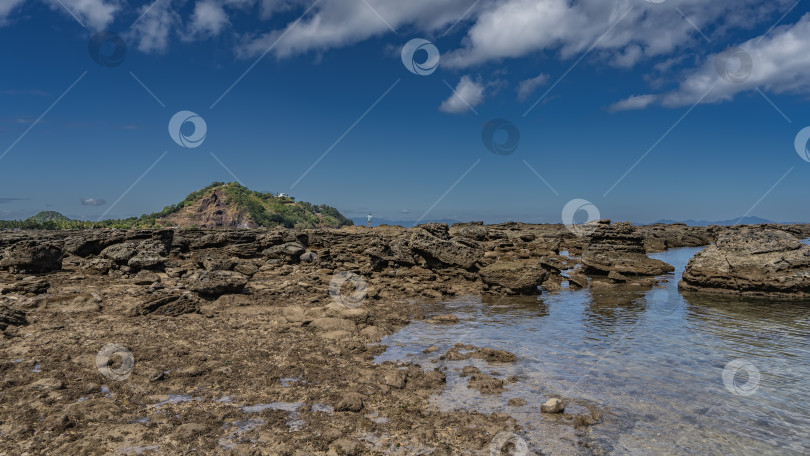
x: 262, y: 341
x: 753, y: 262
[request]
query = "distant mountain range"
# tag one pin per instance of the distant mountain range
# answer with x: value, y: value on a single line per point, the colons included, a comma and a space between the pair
x: 408, y: 223
x: 363, y: 221
x: 742, y: 221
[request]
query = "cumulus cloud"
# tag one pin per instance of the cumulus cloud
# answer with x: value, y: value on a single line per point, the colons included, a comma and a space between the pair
x: 779, y: 63
x: 96, y: 14
x: 633, y: 102
x: 6, y: 8
x: 467, y: 95
x: 334, y: 24
x: 622, y: 31
x: 93, y: 202
x: 152, y: 31
x: 209, y: 19
x: 527, y: 87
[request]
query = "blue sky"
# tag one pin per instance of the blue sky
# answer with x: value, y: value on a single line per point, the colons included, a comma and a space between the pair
x: 611, y: 82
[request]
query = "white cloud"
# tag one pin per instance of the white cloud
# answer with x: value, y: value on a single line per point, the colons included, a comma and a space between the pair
x: 780, y: 63
x: 209, y: 19
x: 517, y: 28
x: 467, y: 95
x: 93, y: 202
x: 633, y: 102
x: 267, y: 8
x: 527, y: 87
x: 96, y: 14
x: 6, y: 7
x: 334, y: 24
x: 153, y: 29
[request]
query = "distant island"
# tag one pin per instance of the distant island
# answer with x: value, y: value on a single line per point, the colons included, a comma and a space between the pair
x: 219, y: 205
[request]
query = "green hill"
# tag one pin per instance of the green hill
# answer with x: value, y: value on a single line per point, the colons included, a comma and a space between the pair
x: 232, y: 205
x: 47, y: 216
x: 219, y: 205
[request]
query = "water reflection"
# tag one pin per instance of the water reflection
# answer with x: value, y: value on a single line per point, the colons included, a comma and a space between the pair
x: 514, y: 306
x: 652, y: 359
x: 610, y: 311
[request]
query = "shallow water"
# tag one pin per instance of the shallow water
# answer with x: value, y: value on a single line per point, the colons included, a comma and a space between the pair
x: 653, y: 360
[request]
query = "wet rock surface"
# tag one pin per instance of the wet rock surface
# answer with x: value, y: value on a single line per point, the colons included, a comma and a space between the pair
x: 749, y: 261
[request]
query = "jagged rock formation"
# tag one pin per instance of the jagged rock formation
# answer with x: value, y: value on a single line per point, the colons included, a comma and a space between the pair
x: 658, y: 237
x: 619, y: 250
x: 31, y: 257
x: 751, y: 261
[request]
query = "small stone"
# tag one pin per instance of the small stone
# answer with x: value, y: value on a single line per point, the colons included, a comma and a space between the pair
x: 332, y: 324
x: 308, y: 257
x: 447, y: 319
x: 517, y: 402
x: 553, y: 405
x: 189, y: 430
x: 351, y: 402
x: 146, y: 278
x: 395, y: 378
x: 346, y: 446
x: 469, y: 370
x: 157, y: 375
x: 48, y: 384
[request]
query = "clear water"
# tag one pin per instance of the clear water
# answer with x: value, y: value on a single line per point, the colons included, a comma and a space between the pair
x: 652, y: 359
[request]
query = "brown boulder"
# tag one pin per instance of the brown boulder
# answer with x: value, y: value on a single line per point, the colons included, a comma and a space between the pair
x: 751, y: 261
x: 215, y: 283
x: 513, y: 277
x: 433, y: 243
x: 32, y: 257
x: 619, y: 248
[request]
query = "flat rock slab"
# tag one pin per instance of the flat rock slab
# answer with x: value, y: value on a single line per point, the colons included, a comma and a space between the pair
x: 761, y: 262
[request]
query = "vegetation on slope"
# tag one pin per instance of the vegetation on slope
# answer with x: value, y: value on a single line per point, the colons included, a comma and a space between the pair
x: 263, y: 209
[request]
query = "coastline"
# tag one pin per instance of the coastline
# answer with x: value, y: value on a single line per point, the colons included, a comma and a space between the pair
x: 279, y: 364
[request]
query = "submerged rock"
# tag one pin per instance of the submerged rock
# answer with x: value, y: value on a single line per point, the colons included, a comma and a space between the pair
x: 751, y: 262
